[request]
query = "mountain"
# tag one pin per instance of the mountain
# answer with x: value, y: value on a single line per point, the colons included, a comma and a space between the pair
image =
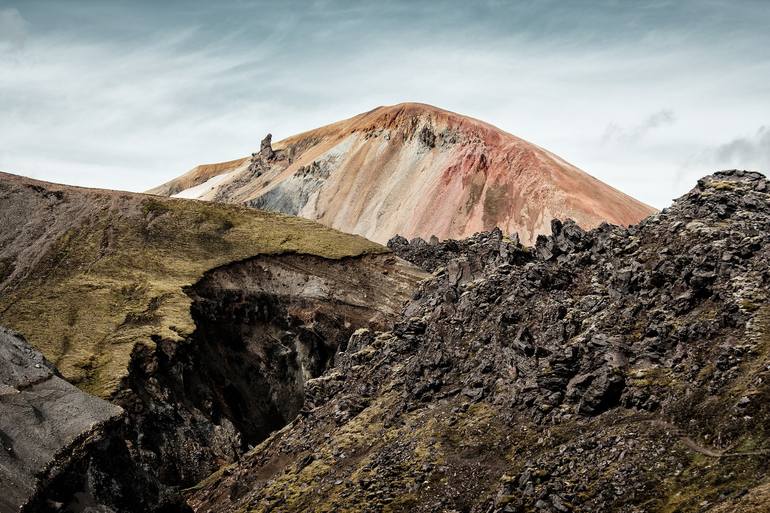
x: 414, y: 170
x: 615, y: 370
x: 201, y: 321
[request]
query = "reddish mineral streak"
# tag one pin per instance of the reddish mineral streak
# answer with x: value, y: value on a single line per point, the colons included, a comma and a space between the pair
x: 385, y: 179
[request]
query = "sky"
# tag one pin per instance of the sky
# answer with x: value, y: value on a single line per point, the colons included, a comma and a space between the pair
x: 646, y: 95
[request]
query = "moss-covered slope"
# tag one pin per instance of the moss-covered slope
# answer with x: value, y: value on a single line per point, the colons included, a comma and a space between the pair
x: 86, y: 274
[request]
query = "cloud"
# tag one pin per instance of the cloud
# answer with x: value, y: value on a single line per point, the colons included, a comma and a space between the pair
x: 131, y: 94
x: 616, y: 133
x: 752, y: 152
x: 13, y: 29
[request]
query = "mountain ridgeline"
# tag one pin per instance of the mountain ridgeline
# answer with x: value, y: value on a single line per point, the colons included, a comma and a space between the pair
x: 414, y: 170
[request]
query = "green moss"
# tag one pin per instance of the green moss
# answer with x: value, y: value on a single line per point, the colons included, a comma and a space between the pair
x: 708, y: 480
x: 749, y: 305
x: 116, y: 279
x: 723, y: 185
x: 650, y: 376
x: 370, y: 464
x: 155, y: 207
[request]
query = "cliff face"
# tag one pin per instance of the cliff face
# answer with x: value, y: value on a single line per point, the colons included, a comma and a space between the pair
x: 203, y: 322
x: 618, y: 370
x: 414, y: 170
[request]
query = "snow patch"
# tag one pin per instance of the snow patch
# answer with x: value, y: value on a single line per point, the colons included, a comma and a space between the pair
x: 201, y: 189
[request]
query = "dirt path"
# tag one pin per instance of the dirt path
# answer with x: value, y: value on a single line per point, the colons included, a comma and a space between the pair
x: 689, y: 442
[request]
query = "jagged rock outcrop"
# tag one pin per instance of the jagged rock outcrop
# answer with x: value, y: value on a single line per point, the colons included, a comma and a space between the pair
x: 485, y: 248
x: 617, y: 370
x: 266, y: 148
x: 45, y: 422
x: 416, y: 170
x: 259, y: 163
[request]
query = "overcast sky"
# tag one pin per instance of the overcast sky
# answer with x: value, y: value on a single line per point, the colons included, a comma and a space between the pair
x: 645, y: 95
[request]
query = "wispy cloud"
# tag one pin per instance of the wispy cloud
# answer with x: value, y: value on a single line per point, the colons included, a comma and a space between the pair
x: 616, y: 133
x: 749, y: 152
x: 127, y: 95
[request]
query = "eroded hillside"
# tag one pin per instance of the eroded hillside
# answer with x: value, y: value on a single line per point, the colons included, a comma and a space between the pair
x: 86, y: 274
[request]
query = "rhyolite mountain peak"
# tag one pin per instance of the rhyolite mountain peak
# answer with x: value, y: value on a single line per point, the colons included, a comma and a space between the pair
x: 414, y: 170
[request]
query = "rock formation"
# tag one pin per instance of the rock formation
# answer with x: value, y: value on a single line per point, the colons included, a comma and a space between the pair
x: 268, y: 364
x: 44, y: 422
x: 265, y: 148
x: 416, y: 170
x: 614, y: 370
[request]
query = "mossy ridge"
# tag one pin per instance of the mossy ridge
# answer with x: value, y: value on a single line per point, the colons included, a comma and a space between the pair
x: 116, y: 279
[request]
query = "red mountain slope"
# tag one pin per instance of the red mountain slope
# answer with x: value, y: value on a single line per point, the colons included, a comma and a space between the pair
x: 414, y: 170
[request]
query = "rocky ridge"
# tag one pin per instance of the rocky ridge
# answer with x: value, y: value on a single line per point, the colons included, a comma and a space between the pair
x: 618, y: 370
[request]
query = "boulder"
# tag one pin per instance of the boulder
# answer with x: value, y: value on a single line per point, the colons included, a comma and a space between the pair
x: 43, y: 420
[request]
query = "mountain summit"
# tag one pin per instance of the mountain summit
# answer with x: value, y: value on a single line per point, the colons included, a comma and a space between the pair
x: 415, y: 170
